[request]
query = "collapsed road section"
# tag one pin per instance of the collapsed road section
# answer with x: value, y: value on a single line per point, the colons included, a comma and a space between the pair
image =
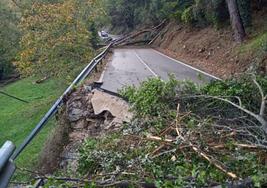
x: 91, y: 113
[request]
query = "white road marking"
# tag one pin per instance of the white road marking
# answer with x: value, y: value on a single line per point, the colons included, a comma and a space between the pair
x: 187, y: 65
x: 141, y: 60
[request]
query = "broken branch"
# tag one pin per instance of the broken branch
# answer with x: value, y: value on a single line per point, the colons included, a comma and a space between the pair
x: 256, y: 116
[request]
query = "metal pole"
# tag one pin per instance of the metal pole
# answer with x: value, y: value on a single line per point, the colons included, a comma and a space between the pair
x: 7, y: 167
x: 5, y: 153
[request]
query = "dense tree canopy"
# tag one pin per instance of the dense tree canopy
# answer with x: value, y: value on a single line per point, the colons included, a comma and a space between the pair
x: 129, y: 14
x: 56, y: 37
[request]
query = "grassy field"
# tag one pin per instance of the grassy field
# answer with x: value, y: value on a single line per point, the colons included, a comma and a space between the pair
x: 17, y: 119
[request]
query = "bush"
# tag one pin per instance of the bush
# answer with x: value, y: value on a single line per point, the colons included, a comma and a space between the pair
x: 9, y: 40
x: 243, y: 88
x: 153, y: 98
x: 220, y: 12
x: 210, y: 12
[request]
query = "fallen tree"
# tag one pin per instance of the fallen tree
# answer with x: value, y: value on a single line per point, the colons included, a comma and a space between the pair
x: 181, y: 135
x: 132, y: 36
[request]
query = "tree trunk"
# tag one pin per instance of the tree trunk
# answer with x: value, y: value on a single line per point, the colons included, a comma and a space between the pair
x: 236, y: 21
x: 259, y: 4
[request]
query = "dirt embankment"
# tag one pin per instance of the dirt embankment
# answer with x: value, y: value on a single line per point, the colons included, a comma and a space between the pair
x: 66, y: 135
x: 215, y: 51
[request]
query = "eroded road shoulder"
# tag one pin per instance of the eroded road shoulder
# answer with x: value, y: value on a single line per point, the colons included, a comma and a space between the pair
x: 91, y: 114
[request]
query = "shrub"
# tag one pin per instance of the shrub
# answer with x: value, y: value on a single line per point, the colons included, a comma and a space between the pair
x: 243, y: 88
x: 153, y: 98
x: 210, y: 12
x: 9, y: 39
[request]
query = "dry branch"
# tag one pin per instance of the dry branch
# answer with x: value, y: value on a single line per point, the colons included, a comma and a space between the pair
x: 239, y: 145
x: 198, y: 151
x: 214, y: 162
x: 156, y: 138
x: 263, y: 98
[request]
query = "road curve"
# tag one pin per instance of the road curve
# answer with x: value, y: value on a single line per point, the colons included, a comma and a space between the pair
x: 131, y: 66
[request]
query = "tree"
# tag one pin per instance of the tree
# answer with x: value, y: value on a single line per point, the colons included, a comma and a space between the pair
x: 236, y: 21
x: 57, y: 38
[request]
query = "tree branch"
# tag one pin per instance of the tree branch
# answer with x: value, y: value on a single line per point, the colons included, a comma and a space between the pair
x: 263, y: 97
x: 198, y: 150
x: 256, y: 116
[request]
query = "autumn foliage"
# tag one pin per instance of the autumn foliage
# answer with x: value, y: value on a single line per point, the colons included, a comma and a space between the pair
x: 56, y: 38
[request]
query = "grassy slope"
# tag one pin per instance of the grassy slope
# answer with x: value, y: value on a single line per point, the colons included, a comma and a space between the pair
x: 18, y: 119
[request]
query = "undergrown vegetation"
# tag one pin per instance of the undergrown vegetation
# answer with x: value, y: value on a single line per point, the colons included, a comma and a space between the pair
x: 183, y: 135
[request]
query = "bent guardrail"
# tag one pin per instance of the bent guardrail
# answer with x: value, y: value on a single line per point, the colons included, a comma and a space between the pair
x: 7, y: 154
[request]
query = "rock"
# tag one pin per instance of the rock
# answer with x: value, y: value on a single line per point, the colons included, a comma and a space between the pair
x: 201, y: 50
x: 75, y: 114
x: 118, y: 108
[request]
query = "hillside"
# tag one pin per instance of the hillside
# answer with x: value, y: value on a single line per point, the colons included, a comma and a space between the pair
x: 214, y: 50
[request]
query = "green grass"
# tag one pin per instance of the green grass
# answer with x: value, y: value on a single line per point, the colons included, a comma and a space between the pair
x: 17, y: 119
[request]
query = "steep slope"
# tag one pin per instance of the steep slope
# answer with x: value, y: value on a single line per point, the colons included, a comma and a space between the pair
x: 215, y: 51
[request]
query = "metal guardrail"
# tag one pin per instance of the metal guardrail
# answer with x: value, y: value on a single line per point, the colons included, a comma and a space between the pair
x: 7, y: 167
x: 7, y: 154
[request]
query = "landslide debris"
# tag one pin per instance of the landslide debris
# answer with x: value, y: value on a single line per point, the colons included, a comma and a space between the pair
x: 91, y: 114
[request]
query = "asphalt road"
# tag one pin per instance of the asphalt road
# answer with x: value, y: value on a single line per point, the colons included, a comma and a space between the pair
x: 132, y: 66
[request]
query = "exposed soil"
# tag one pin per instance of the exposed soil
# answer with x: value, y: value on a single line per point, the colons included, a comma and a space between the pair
x: 50, y: 156
x: 211, y: 50
x: 91, y: 113
x: 64, y: 136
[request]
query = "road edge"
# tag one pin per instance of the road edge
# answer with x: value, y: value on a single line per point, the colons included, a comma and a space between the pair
x: 189, y: 66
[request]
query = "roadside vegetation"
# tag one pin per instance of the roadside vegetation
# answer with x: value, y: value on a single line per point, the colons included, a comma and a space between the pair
x: 9, y: 38
x: 200, y: 13
x: 182, y: 135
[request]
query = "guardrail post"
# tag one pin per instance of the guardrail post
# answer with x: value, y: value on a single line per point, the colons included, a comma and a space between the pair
x: 7, y: 166
x: 96, y: 69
